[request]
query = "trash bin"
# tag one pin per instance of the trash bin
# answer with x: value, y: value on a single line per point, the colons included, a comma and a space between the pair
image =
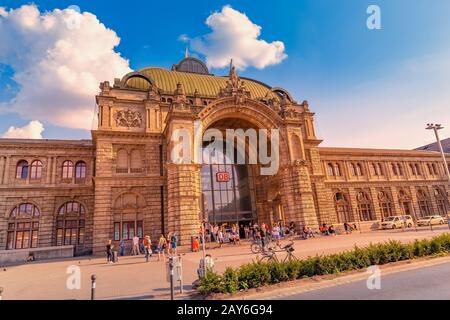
x: 194, y: 244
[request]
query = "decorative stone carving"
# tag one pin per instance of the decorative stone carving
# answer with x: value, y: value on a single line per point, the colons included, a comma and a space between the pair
x: 235, y: 87
x: 105, y: 88
x: 128, y: 118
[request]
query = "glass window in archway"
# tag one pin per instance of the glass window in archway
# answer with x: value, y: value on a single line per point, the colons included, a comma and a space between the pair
x: 227, y: 189
x: 23, y: 227
x: 70, y: 224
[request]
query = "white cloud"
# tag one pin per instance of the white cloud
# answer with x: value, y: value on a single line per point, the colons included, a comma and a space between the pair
x: 32, y: 130
x: 183, y: 38
x: 235, y: 36
x: 59, y: 59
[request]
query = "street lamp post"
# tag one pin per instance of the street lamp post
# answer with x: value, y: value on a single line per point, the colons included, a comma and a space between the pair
x: 435, y: 128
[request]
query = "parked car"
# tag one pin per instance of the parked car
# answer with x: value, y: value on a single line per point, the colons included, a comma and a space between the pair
x: 408, y: 221
x: 394, y: 222
x: 430, y: 220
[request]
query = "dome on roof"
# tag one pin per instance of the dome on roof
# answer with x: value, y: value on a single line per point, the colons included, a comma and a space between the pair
x: 192, y: 65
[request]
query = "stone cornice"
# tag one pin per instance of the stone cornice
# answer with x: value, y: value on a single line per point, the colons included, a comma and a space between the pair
x: 125, y: 134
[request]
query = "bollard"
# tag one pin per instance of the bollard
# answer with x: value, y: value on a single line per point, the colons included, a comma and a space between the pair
x: 171, y: 277
x: 180, y: 273
x: 1, y: 292
x: 93, y: 277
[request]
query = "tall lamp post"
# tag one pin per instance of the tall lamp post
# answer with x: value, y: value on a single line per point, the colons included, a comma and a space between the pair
x: 435, y: 128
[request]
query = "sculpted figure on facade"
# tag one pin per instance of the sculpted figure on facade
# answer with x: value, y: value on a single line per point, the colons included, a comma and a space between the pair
x: 128, y: 118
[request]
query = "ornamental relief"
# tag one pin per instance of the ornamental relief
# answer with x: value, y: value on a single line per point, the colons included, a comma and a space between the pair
x: 128, y: 118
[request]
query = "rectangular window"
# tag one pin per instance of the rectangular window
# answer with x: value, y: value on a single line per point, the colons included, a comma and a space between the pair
x: 34, y: 239
x: 116, y: 231
x: 139, y: 229
x: 10, y: 240
x: 59, y: 237
x: 81, y: 236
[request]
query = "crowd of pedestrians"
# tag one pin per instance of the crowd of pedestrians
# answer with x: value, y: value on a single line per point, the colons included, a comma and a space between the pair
x: 165, y: 245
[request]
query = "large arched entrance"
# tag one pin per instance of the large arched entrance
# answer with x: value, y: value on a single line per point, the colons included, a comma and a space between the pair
x: 234, y: 192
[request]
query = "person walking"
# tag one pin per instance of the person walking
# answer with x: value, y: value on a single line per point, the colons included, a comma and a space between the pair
x: 276, y: 234
x: 173, y: 243
x: 147, y: 247
x: 263, y: 235
x: 109, y: 248
x: 162, y: 245
x: 135, y: 250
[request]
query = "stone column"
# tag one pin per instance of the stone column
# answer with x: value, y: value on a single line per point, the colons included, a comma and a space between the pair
x: 48, y: 171
x: 2, y: 169
x: 54, y: 163
x: 184, y: 214
x: 7, y: 170
x: 102, y: 218
x: 375, y: 203
x: 395, y: 202
x: 297, y: 197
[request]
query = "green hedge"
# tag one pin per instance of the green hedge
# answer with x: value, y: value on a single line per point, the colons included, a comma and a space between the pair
x: 254, y: 275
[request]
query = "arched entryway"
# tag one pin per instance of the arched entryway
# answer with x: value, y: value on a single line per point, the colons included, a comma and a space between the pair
x: 234, y: 192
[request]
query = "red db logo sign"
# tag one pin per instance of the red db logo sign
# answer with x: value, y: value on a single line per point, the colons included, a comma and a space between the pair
x: 222, y: 176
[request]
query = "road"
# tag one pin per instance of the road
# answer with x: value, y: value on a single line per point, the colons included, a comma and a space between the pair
x: 431, y: 282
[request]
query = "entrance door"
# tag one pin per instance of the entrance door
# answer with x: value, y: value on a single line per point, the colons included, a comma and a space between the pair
x: 227, y: 191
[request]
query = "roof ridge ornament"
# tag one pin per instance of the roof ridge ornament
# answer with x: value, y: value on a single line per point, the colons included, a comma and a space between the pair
x: 235, y: 87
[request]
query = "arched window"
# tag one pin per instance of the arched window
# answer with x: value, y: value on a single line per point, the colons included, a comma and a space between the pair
x: 365, y: 209
x: 330, y: 169
x: 22, y: 169
x: 441, y: 200
x: 380, y: 169
x: 400, y: 169
x: 413, y: 169
x: 418, y: 172
x: 337, y: 169
x: 128, y: 211
x: 342, y: 207
x: 353, y: 169
x: 358, y: 169
x: 385, y: 204
x: 136, y: 161
x: 67, y: 169
x: 394, y: 169
x: 80, y: 170
x: 36, y: 170
x: 424, y: 203
x: 430, y: 169
x: 70, y: 224
x: 23, y: 227
x: 122, y: 161
x: 375, y: 169
x: 435, y: 169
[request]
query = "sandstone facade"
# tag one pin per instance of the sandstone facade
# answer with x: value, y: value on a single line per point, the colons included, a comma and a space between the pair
x: 124, y: 181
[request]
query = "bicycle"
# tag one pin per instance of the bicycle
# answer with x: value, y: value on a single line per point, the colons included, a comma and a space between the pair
x: 257, y: 247
x: 271, y: 256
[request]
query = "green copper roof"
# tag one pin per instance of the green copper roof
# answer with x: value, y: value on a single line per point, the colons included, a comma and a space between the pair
x: 207, y: 85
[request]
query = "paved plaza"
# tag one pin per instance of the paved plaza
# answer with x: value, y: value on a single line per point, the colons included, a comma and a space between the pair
x: 133, y: 278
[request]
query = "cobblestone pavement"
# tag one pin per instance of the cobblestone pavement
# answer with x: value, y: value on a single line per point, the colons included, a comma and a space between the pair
x: 133, y: 278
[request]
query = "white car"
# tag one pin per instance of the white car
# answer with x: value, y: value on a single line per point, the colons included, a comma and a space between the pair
x: 430, y: 220
x: 395, y: 222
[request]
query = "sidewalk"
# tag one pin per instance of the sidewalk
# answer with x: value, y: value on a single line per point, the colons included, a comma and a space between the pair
x: 131, y: 277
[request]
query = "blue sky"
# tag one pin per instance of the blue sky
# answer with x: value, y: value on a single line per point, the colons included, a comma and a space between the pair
x: 369, y: 88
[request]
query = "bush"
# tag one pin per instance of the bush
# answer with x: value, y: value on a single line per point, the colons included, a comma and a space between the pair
x: 254, y: 275
x: 230, y: 280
